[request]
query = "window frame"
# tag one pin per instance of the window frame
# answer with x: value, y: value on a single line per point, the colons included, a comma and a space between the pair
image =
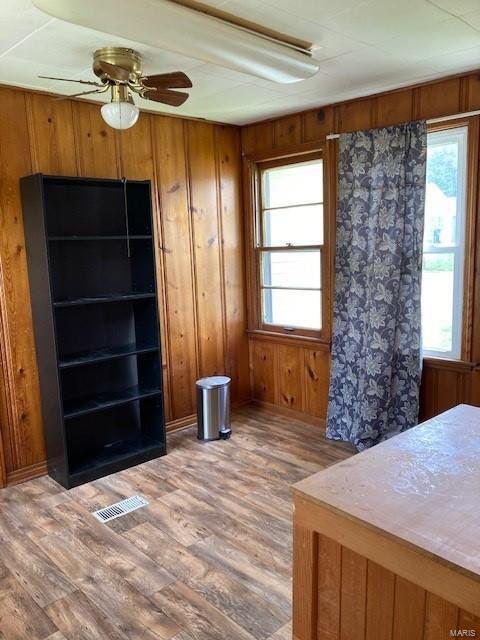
x: 458, y: 249
x: 259, y: 249
x: 470, y: 345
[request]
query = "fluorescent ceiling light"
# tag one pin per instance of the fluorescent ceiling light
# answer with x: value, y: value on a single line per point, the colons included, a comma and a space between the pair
x: 166, y: 25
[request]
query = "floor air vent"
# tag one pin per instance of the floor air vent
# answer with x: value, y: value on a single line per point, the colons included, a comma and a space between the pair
x: 120, y: 508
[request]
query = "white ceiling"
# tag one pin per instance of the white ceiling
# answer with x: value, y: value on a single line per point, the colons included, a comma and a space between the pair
x: 365, y: 46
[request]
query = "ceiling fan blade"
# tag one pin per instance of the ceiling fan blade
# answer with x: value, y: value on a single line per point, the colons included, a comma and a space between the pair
x: 75, y: 95
x: 172, y: 98
x: 91, y: 82
x: 175, y: 80
x: 114, y: 72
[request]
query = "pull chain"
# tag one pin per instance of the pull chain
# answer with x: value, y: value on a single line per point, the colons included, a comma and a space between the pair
x: 125, y: 203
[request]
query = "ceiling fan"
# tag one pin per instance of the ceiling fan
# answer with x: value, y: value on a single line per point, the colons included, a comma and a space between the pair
x: 120, y: 70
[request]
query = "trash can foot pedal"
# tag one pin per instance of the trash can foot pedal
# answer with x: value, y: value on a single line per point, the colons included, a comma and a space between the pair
x: 225, y: 435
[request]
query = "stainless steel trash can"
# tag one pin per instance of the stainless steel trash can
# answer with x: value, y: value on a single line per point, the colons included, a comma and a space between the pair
x: 213, y: 408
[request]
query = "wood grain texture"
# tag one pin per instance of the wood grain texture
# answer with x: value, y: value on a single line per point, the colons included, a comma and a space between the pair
x: 388, y: 496
x: 263, y: 365
x: 21, y: 428
x: 440, y: 618
x: 208, y: 558
x: 353, y: 598
x: 20, y: 616
x: 206, y: 247
x: 305, y: 582
x: 329, y: 588
x: 79, y: 619
x: 448, y: 96
x: 445, y: 385
x: 469, y: 622
x: 375, y: 604
x: 227, y: 144
x: 135, y: 148
x: 70, y: 138
x: 380, y: 603
x: 52, y: 135
x: 290, y: 377
x: 409, y: 608
x: 96, y: 143
x: 317, y: 375
x: 288, y: 131
x: 407, y: 568
x: 295, y: 134
x: 174, y: 220
x: 355, y: 115
x: 439, y: 99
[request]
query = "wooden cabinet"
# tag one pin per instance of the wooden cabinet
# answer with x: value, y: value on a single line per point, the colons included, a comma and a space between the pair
x: 386, y: 543
x: 92, y: 283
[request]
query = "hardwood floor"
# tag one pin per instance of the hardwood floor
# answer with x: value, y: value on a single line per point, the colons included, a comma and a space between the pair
x: 209, y: 558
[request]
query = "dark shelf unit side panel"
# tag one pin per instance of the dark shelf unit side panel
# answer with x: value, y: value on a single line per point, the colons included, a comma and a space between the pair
x: 43, y: 324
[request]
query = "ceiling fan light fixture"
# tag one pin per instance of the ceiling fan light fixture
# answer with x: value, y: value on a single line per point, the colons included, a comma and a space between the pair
x: 120, y: 115
x: 121, y: 112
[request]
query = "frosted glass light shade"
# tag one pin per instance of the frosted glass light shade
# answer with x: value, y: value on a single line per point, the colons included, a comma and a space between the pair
x: 120, y: 115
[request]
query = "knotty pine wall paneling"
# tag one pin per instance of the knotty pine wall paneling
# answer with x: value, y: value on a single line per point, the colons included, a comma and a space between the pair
x: 228, y: 148
x: 435, y: 99
x: 180, y: 318
x: 445, y: 383
x: 204, y: 212
x: 136, y: 160
x: 196, y: 191
x: 22, y: 443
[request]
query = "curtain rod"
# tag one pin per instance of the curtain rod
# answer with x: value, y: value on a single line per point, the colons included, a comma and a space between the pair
x: 334, y: 136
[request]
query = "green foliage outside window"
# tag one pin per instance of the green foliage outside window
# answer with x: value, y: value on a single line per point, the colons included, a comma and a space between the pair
x: 442, y: 168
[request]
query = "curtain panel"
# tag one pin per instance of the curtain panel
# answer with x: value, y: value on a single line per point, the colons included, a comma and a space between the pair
x: 376, y: 365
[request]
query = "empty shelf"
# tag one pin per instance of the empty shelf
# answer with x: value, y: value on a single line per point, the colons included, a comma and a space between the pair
x: 110, y: 297
x: 87, y: 238
x: 106, y: 400
x: 111, y: 458
x: 100, y: 355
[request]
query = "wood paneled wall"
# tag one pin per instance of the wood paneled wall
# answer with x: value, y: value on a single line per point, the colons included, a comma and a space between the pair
x: 447, y: 97
x: 290, y: 378
x: 293, y: 375
x: 195, y: 172
x: 353, y: 598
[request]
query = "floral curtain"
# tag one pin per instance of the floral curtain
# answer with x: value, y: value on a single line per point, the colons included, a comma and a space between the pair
x: 374, y: 386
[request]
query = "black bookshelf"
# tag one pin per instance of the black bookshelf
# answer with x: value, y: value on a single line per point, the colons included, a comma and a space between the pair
x: 91, y: 268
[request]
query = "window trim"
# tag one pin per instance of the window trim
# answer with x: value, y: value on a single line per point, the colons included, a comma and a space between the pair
x: 458, y: 250
x: 257, y: 248
x: 469, y: 350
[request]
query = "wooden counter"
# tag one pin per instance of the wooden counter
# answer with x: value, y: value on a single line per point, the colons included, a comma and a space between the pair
x: 387, y: 543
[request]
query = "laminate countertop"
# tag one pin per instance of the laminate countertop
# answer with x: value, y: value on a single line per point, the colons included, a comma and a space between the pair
x: 421, y: 488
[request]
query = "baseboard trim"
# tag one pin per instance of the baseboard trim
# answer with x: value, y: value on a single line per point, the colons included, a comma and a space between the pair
x: 181, y: 423
x: 289, y: 413
x: 191, y: 420
x: 27, y: 473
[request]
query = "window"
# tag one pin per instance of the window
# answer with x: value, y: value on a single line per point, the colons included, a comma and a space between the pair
x: 290, y: 235
x: 444, y: 242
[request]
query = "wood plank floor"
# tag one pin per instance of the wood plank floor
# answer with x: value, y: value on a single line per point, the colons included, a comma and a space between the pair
x: 208, y: 559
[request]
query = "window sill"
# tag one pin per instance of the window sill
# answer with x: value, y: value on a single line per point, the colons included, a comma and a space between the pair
x: 321, y: 344
x: 448, y: 363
